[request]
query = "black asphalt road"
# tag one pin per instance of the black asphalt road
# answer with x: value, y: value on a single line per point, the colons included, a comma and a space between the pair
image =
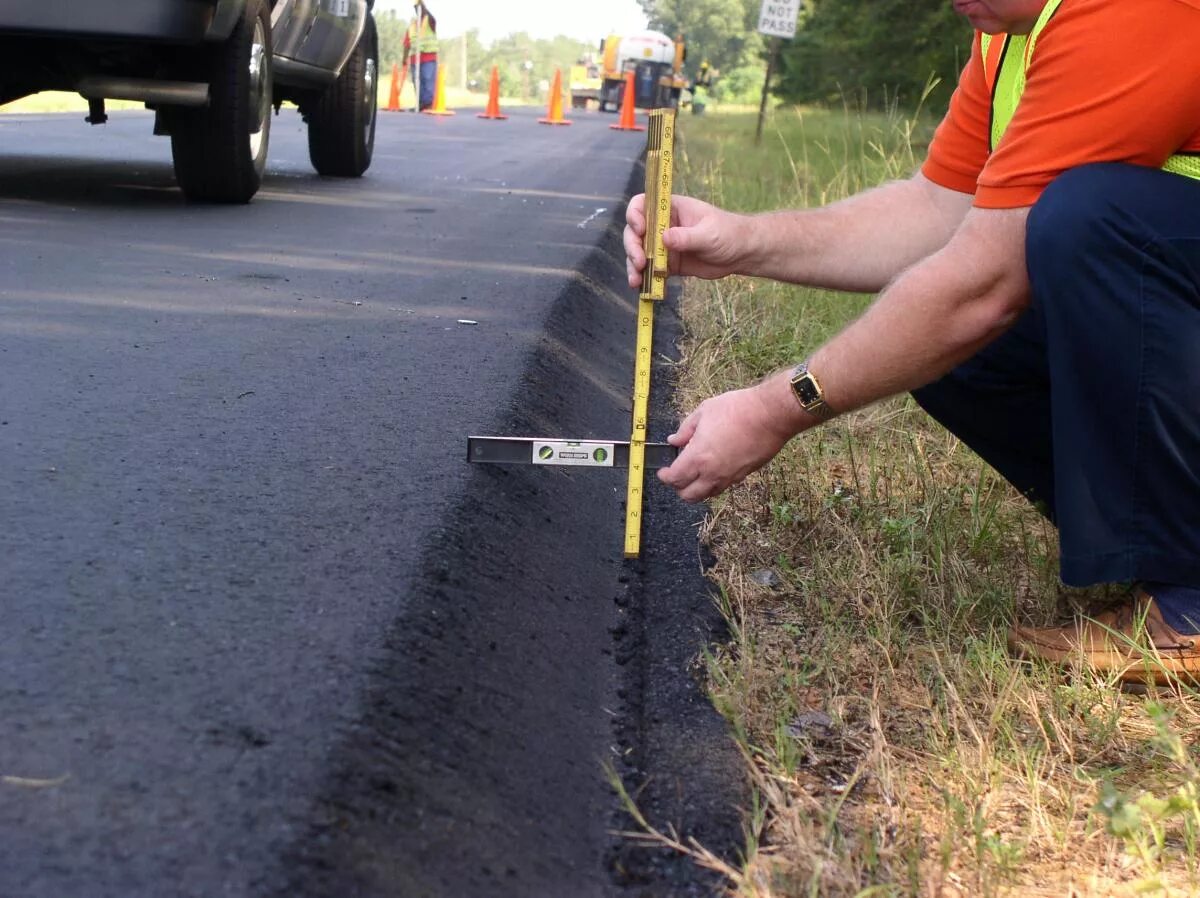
x: 262, y: 630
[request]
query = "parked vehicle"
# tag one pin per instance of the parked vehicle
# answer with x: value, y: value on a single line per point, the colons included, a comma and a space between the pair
x: 212, y: 70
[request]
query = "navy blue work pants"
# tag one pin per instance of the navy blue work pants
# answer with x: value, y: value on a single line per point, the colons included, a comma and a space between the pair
x: 1090, y: 404
x: 428, y: 83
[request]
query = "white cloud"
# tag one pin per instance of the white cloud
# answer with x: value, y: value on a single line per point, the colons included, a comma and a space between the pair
x: 585, y: 20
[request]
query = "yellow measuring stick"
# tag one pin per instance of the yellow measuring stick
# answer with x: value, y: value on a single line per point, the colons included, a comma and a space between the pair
x: 660, y: 156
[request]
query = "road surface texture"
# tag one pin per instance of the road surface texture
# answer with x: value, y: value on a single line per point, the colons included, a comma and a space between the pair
x: 263, y: 631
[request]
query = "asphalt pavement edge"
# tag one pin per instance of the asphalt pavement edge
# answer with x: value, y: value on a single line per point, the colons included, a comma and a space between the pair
x: 530, y: 656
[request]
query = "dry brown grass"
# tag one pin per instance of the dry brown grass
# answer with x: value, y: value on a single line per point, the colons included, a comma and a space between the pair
x: 868, y: 575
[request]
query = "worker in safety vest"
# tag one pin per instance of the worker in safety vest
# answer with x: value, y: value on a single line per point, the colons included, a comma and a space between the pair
x: 1039, y: 294
x: 701, y: 85
x: 422, y: 35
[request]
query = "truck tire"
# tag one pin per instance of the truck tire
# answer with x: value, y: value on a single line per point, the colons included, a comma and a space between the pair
x: 341, y: 123
x: 220, y: 150
x: 610, y: 95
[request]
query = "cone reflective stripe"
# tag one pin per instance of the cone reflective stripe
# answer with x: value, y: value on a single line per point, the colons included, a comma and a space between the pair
x: 628, y: 111
x: 493, y: 106
x: 393, y: 103
x: 554, y: 115
x: 439, y: 96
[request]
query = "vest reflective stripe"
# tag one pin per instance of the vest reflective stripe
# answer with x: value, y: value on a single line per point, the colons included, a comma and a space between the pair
x: 1008, y: 83
x: 991, y: 51
x: 1005, y: 61
x: 1186, y: 164
x: 1007, y: 80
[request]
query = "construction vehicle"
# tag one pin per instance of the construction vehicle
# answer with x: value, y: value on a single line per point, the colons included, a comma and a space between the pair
x: 657, y: 64
x: 585, y: 82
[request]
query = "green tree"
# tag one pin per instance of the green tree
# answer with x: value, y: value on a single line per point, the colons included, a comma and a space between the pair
x: 525, y: 64
x: 451, y: 52
x: 390, y: 26
x: 874, y: 53
x: 720, y: 32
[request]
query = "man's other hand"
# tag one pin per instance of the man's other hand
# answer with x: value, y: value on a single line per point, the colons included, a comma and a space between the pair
x: 702, y: 241
x: 729, y: 437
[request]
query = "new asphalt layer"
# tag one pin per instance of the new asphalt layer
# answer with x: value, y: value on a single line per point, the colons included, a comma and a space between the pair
x: 264, y: 631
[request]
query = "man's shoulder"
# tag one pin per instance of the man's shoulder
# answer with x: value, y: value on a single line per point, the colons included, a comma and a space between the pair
x: 1075, y: 23
x: 1147, y: 8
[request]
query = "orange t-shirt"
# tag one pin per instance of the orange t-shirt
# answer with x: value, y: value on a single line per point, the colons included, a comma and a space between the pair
x: 1110, y: 81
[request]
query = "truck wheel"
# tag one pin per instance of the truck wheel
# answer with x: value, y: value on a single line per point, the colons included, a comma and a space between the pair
x: 341, y: 123
x: 220, y: 150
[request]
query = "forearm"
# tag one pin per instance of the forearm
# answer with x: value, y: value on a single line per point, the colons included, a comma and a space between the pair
x: 936, y: 314
x: 916, y: 332
x: 932, y: 318
x: 860, y: 244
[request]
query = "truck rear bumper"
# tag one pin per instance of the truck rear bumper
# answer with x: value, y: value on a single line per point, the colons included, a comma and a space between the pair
x: 182, y: 21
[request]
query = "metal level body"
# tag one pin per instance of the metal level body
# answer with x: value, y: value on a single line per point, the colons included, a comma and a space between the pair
x: 576, y: 453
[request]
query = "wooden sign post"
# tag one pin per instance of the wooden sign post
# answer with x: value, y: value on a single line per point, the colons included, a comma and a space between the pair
x: 777, y: 20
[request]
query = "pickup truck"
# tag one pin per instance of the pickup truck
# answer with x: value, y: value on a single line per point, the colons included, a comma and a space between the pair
x: 212, y: 70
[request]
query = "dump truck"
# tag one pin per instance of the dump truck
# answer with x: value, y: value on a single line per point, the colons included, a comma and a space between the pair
x: 585, y: 82
x: 657, y: 64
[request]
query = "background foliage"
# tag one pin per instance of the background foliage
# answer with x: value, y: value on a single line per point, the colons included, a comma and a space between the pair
x: 878, y: 52
x: 509, y: 54
x: 874, y: 53
x: 720, y: 32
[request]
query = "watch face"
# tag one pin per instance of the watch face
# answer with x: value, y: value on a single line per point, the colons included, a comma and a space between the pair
x: 806, y: 389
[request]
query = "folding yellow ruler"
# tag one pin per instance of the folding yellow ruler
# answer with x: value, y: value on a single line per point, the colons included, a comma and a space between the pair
x: 636, y: 454
x: 660, y: 158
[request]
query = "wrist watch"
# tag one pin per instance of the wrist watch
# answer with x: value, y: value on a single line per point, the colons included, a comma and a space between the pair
x: 809, y: 393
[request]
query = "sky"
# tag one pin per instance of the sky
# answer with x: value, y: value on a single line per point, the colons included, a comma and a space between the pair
x: 585, y: 20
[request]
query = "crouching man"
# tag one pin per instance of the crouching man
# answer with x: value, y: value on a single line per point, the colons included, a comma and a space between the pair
x: 1038, y: 293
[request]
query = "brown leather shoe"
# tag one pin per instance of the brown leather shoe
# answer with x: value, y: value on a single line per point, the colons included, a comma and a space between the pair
x: 1130, y: 639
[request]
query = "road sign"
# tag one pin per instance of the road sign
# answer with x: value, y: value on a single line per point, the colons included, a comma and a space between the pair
x: 778, y: 17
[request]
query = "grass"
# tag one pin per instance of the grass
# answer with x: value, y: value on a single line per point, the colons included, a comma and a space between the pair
x: 869, y: 574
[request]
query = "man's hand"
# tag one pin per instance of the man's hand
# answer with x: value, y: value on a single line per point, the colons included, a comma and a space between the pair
x: 730, y: 436
x: 702, y: 241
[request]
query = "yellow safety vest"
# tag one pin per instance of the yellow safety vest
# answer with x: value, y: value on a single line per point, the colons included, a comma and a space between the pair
x: 426, y: 41
x: 1005, y: 60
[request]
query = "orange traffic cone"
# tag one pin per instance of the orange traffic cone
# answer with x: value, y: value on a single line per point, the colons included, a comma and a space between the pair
x: 393, y: 103
x: 493, y: 107
x: 628, y: 123
x: 554, y: 115
x: 439, y: 96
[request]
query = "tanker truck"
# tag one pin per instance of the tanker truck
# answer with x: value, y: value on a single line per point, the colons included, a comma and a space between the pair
x: 657, y: 64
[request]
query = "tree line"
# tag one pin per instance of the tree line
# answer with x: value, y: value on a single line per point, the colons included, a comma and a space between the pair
x: 873, y: 53
x: 525, y: 64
